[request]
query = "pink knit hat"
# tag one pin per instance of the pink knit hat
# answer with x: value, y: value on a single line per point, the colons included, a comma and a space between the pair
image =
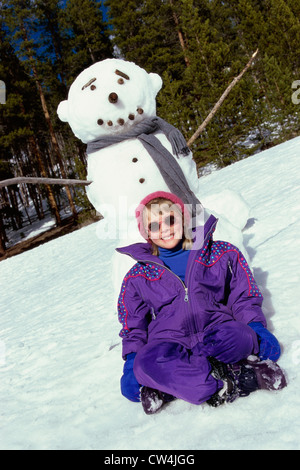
x: 162, y: 194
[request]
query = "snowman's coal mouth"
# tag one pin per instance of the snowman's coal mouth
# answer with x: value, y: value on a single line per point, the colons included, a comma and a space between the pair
x: 120, y: 121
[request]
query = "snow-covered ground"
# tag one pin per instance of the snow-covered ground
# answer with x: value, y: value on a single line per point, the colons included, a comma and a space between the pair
x: 60, y: 353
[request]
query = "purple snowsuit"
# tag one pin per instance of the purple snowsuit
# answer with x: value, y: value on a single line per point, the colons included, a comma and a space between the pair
x: 173, y: 326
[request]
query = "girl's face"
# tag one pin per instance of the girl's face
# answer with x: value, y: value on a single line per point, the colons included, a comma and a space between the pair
x: 164, y: 227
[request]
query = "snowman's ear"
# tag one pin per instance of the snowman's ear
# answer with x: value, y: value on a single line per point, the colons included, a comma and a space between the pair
x: 63, y: 111
x: 156, y: 82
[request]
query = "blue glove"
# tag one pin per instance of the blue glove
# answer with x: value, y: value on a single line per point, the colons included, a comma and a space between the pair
x: 269, y: 347
x: 130, y: 388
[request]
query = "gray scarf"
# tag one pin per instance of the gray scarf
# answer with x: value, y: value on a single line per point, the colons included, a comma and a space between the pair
x: 164, y: 160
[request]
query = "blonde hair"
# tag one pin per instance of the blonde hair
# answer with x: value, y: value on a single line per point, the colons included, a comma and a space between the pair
x: 159, y: 202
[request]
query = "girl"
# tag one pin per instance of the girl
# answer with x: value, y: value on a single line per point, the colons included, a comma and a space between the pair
x: 191, y: 314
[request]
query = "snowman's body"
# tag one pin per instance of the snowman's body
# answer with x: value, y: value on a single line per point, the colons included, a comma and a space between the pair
x: 126, y: 173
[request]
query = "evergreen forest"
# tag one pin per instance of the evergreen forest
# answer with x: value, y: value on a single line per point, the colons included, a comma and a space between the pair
x: 197, y: 46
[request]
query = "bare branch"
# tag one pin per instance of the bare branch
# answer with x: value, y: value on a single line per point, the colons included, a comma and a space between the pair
x: 219, y: 103
x: 34, y: 180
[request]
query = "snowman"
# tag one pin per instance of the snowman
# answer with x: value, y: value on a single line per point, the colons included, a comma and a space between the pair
x: 111, y: 107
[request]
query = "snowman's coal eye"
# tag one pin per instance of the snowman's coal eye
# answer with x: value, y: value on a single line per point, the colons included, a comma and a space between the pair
x: 122, y: 74
x: 90, y: 83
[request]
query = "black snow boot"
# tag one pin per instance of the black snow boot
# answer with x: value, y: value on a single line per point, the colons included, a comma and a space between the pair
x: 152, y: 400
x: 268, y: 374
x: 230, y: 391
x: 245, y: 377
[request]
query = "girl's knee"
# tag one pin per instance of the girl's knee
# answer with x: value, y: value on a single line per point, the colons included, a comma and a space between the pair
x: 152, y: 360
x: 231, y: 341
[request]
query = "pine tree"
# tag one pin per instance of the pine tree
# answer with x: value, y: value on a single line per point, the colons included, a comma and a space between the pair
x: 46, y: 38
x: 145, y: 32
x: 22, y: 28
x: 85, y: 36
x: 280, y: 64
x: 17, y: 117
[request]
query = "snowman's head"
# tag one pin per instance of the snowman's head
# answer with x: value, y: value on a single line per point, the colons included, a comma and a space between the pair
x: 109, y: 97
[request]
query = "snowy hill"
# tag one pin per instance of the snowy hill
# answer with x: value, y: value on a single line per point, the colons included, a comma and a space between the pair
x: 60, y: 353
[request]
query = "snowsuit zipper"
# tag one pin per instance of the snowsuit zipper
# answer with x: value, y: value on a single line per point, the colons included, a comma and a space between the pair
x: 186, y: 292
x: 192, y: 326
x: 191, y: 262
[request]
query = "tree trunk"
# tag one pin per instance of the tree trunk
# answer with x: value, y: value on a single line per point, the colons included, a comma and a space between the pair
x: 14, y: 204
x: 180, y: 35
x: 35, y: 197
x: 54, y: 141
x: 51, y: 198
x: 7, y: 204
x: 87, y: 42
